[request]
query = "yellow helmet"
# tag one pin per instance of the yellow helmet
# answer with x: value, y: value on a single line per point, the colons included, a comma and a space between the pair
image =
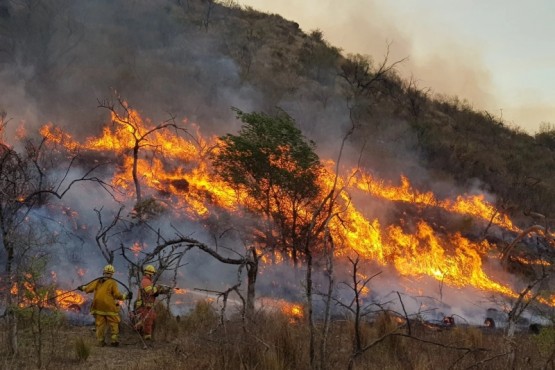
x: 149, y: 269
x: 109, y: 269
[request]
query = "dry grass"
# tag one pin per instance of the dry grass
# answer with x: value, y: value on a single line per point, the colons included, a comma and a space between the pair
x: 272, y: 341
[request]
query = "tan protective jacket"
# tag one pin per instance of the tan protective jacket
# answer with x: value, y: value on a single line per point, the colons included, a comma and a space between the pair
x: 105, y: 295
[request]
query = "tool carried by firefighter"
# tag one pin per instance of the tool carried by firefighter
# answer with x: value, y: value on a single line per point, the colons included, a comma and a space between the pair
x: 144, y: 314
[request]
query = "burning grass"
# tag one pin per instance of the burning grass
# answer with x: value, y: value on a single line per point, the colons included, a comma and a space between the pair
x: 271, y: 340
x: 177, y: 176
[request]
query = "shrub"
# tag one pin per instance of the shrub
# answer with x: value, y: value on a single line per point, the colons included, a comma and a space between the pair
x: 545, y: 341
x: 82, y: 350
x: 202, y: 316
x: 166, y: 323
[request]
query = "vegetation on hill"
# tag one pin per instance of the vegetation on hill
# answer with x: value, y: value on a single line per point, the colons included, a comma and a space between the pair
x: 198, y: 58
x: 193, y: 60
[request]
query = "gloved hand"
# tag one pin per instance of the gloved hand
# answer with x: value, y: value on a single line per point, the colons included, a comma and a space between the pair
x: 129, y: 296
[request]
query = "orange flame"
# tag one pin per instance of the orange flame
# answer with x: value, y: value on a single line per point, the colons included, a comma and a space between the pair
x: 136, y: 249
x: 524, y: 261
x: 294, y: 311
x: 176, y: 171
x: 68, y: 300
x: 31, y: 296
x: 475, y: 206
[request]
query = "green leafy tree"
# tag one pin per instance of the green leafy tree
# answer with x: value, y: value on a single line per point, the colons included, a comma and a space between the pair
x: 277, y: 168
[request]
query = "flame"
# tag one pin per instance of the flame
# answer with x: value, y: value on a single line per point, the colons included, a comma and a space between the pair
x: 136, y: 249
x: 472, y: 205
x: 176, y: 171
x: 68, y: 300
x: 454, y: 260
x: 20, y: 132
x: 57, y: 136
x: 170, y: 166
x: 294, y: 311
x: 536, y: 262
x: 30, y: 294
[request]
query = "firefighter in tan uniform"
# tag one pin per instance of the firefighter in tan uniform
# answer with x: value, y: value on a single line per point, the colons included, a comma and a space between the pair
x: 104, y: 307
x: 144, y: 306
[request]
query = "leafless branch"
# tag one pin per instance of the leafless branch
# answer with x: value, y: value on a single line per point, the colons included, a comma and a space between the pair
x: 532, y: 229
x: 405, y: 312
x: 478, y: 364
x: 102, y: 236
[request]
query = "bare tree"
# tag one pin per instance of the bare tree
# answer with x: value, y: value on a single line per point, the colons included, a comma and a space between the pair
x: 43, y: 34
x: 542, y: 231
x: 122, y: 115
x: 356, y: 306
x: 104, y: 235
x: 27, y: 184
x: 538, y: 275
x: 416, y: 98
x: 363, y: 78
x: 210, y: 4
x: 328, y: 252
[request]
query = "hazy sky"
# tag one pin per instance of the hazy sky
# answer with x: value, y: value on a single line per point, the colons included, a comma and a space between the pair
x: 497, y: 54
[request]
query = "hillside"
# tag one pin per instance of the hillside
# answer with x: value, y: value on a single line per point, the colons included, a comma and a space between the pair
x: 432, y: 198
x: 195, y: 59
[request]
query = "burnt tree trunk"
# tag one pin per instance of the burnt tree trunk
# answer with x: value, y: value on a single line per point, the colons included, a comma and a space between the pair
x: 327, y: 311
x: 135, y: 176
x: 309, y: 308
x: 11, y: 317
x: 252, y: 273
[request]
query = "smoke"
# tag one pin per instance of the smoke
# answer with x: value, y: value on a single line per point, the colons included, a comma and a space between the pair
x: 162, y: 66
x: 156, y: 56
x: 478, y: 69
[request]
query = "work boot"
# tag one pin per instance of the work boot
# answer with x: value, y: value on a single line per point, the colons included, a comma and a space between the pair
x: 147, y: 337
x: 114, y: 344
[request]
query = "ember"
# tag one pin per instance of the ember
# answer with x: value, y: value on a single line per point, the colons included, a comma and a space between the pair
x: 489, y: 323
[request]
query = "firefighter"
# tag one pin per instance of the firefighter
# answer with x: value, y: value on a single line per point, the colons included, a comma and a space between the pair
x: 105, y: 307
x: 144, y: 306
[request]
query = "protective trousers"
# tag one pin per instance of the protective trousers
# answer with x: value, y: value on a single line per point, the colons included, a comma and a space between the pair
x: 104, y: 321
x: 147, y: 316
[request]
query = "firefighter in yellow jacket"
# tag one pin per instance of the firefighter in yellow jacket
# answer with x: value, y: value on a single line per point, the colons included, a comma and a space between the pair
x: 104, y: 307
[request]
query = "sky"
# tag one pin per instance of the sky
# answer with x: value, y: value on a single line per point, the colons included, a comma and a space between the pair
x: 498, y: 55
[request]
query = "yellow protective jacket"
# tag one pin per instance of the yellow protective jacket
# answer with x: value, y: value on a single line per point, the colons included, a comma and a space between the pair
x: 105, y: 295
